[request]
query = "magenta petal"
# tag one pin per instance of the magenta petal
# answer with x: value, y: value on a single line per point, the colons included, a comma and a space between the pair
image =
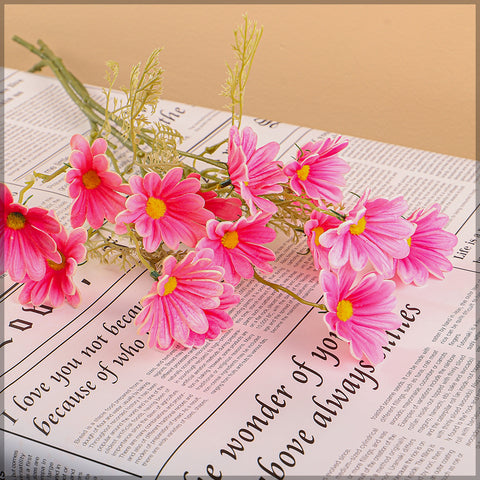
x: 39, y: 218
x: 176, y: 321
x: 15, y: 262
x: 100, y: 164
x: 77, y: 142
x: 40, y: 291
x: 73, y: 300
x: 79, y: 163
x: 99, y: 146
x: 360, y: 313
x: 75, y: 189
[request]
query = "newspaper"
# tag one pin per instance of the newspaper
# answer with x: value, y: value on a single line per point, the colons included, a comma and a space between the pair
x: 277, y: 396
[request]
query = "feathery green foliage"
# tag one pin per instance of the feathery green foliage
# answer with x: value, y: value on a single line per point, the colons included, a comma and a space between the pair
x: 107, y: 249
x: 247, y: 38
x: 153, y: 144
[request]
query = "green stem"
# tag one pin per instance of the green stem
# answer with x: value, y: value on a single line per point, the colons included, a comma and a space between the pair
x: 88, y: 106
x: 46, y: 178
x: 27, y: 186
x: 293, y: 227
x: 277, y: 288
x: 106, y: 240
x: 37, y: 67
x: 213, y: 148
x: 215, y: 185
x: 72, y: 86
x: 309, y: 202
x: 140, y: 256
x: 211, y: 161
x: 91, y: 232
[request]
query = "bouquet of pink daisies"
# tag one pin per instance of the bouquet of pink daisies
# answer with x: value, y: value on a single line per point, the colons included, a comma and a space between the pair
x: 200, y: 230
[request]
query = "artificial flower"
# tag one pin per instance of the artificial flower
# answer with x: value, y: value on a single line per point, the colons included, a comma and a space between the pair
x: 361, y: 313
x: 96, y: 190
x: 254, y: 172
x: 177, y: 303
x: 237, y: 246
x: 318, y: 170
x: 429, y: 247
x: 373, y: 230
x: 319, y: 223
x: 25, y: 235
x: 57, y: 284
x: 218, y: 319
x: 224, y: 208
x: 167, y: 210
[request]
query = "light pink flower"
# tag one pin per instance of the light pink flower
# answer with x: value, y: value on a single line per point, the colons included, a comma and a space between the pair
x: 319, y: 223
x: 25, y: 237
x: 254, y: 172
x: 167, y: 210
x: 238, y: 245
x: 361, y: 313
x: 429, y: 247
x: 57, y: 284
x: 224, y: 208
x: 95, y: 189
x: 178, y: 302
x: 319, y: 170
x: 218, y: 319
x: 373, y: 230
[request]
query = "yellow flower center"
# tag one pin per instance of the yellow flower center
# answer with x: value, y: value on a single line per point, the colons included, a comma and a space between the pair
x: 170, y: 286
x: 302, y: 174
x: 155, y: 208
x: 15, y: 221
x: 91, y: 180
x: 409, y: 241
x: 230, y: 240
x: 245, y: 183
x: 359, y: 227
x: 57, y: 266
x: 318, y: 231
x: 344, y: 310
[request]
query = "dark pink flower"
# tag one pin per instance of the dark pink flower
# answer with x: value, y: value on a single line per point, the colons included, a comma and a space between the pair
x: 167, y: 210
x: 223, y: 208
x: 362, y: 313
x: 318, y: 224
x: 318, y: 170
x: 429, y: 247
x: 26, y: 238
x: 184, y: 300
x: 254, y: 172
x: 373, y: 230
x: 57, y: 284
x: 218, y: 319
x: 95, y: 189
x: 237, y: 246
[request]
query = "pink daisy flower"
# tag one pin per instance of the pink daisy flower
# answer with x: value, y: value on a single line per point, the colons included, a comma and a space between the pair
x: 167, y: 210
x: 224, y: 208
x: 429, y: 247
x: 57, y: 284
x: 361, y: 313
x: 373, y: 230
x: 218, y: 318
x: 318, y: 170
x: 253, y: 172
x: 25, y: 236
x: 177, y: 304
x: 319, y: 223
x: 95, y: 189
x: 237, y: 246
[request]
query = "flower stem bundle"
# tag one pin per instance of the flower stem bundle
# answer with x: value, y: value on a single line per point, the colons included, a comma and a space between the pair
x: 201, y: 225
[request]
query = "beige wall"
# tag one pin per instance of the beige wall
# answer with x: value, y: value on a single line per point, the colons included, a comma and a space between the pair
x: 398, y: 73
